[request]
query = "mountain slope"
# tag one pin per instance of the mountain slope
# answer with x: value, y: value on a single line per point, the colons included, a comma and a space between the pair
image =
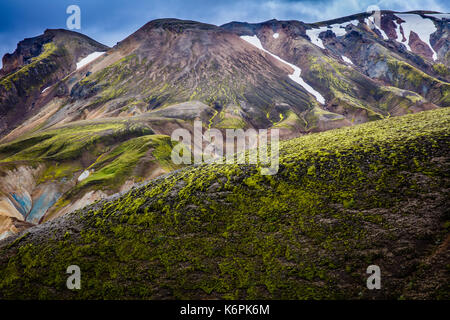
x: 47, y: 174
x: 351, y: 62
x: 36, y: 64
x: 172, y: 61
x: 292, y: 76
x: 363, y: 71
x: 344, y: 199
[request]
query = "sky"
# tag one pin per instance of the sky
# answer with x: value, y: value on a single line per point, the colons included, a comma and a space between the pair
x: 110, y: 21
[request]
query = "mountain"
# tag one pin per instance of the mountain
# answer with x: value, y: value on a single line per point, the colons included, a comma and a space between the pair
x: 81, y: 122
x: 344, y: 199
x: 355, y: 64
x: 361, y: 73
x: 36, y: 64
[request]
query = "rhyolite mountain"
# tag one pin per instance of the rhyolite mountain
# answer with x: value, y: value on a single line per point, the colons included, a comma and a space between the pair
x: 81, y: 123
x: 289, y: 75
x: 36, y: 64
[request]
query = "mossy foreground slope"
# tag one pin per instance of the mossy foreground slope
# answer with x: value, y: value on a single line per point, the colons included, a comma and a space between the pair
x: 342, y: 200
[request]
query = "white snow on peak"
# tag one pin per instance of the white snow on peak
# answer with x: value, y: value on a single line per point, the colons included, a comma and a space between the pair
x: 338, y: 29
x: 346, y: 59
x: 88, y: 59
x: 313, y: 34
x: 371, y: 23
x: 294, y: 76
x: 276, y: 35
x: 6, y: 234
x: 423, y: 27
x: 253, y: 40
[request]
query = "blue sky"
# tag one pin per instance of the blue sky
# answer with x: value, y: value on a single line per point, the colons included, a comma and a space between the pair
x: 110, y: 21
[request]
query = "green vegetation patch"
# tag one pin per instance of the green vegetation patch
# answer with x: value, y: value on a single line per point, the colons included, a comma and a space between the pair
x: 28, y: 72
x: 113, y: 168
x: 341, y: 200
x: 70, y: 141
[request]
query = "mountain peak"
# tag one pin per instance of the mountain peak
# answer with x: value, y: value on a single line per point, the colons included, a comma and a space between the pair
x: 177, y: 25
x: 30, y: 48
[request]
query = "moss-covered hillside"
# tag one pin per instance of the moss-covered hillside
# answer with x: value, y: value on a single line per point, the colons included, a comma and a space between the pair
x: 342, y: 200
x: 50, y: 172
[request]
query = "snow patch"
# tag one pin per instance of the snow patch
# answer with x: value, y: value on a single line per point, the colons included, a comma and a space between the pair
x: 423, y: 27
x: 313, y: 34
x: 338, y: 29
x: 88, y: 59
x: 276, y: 35
x: 400, y: 36
x: 84, y: 175
x: 46, y: 89
x: 346, y: 59
x: 371, y: 23
x: 294, y: 76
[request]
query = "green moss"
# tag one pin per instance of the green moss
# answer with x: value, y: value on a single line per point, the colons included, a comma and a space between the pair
x: 115, y: 151
x: 408, y: 77
x: 441, y: 69
x: 231, y: 123
x: 329, y: 72
x: 445, y: 99
x: 49, y: 49
x: 226, y: 231
x: 115, y: 167
x: 70, y: 141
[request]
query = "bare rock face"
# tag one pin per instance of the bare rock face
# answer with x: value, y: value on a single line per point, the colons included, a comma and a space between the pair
x: 419, y: 47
